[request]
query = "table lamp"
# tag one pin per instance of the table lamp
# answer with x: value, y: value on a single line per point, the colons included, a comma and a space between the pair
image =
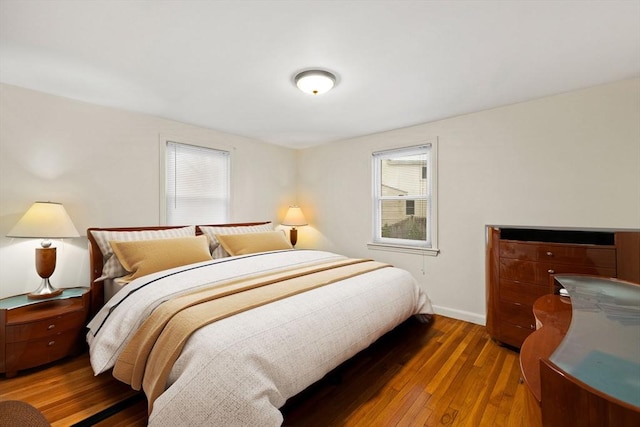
x: 45, y: 220
x: 294, y: 217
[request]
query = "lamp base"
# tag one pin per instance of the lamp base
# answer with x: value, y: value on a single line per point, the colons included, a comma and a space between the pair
x: 293, y: 236
x: 44, y: 291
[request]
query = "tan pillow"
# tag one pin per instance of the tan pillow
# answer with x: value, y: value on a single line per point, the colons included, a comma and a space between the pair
x: 217, y: 251
x: 112, y: 267
x: 142, y: 257
x: 249, y: 243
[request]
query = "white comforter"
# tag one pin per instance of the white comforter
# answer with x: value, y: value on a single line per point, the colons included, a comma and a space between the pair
x: 240, y: 370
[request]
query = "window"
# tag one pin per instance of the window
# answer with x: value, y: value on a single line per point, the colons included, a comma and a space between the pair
x: 404, y: 198
x: 410, y: 207
x: 196, y: 185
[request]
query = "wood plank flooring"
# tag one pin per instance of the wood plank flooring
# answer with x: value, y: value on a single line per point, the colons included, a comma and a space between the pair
x: 448, y: 373
x: 67, y: 392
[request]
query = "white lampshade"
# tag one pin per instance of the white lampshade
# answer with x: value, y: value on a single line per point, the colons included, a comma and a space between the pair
x: 315, y: 82
x: 294, y: 217
x: 45, y: 220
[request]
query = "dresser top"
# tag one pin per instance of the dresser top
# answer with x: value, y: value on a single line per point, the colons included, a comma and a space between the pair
x: 560, y: 228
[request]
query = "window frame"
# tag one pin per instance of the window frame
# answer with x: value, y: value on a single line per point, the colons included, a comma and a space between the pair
x: 163, y: 143
x: 429, y: 246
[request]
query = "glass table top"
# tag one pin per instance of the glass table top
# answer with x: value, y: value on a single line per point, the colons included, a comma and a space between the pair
x: 602, y: 345
x: 22, y: 300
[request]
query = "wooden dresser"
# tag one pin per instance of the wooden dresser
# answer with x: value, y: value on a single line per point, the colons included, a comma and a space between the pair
x: 522, y: 261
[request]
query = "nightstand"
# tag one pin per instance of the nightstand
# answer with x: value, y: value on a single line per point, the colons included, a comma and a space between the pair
x: 39, y: 331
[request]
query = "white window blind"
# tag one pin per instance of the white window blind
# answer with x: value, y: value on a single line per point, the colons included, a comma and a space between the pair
x: 196, y: 185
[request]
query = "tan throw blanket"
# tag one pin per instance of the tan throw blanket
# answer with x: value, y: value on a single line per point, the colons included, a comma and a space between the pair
x: 148, y: 358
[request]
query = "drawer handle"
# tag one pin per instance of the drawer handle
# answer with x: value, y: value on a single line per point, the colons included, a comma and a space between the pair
x: 550, y: 271
x: 50, y: 327
x: 51, y: 343
x: 549, y: 253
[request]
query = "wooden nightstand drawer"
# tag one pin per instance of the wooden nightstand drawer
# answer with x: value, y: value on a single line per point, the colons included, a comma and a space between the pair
x: 46, y: 327
x: 35, y: 332
x: 27, y: 354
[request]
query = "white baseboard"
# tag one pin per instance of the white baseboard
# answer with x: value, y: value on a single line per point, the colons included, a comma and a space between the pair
x: 467, y: 316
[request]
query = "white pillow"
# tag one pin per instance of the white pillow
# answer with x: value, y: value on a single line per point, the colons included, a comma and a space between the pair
x: 112, y: 268
x: 217, y: 251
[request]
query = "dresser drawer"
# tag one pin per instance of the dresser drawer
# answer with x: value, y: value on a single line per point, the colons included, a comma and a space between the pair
x: 539, y: 272
x: 517, y: 270
x: 559, y: 253
x: 521, y: 293
x: 577, y: 255
x: 27, y: 354
x: 545, y: 270
x: 518, y: 250
x: 517, y: 314
x: 513, y: 335
x: 46, y: 327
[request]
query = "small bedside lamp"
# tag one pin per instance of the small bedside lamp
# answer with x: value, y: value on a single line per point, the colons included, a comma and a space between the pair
x: 45, y: 220
x: 294, y: 217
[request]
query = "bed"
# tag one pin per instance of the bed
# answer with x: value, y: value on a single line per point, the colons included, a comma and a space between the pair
x: 227, y: 339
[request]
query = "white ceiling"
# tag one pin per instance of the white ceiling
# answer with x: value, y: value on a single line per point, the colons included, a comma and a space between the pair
x: 229, y: 65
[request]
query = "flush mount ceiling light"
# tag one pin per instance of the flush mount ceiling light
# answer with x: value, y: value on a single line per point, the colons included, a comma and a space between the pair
x: 315, y: 82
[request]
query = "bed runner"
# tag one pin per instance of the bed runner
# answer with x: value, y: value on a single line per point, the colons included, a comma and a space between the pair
x: 148, y: 358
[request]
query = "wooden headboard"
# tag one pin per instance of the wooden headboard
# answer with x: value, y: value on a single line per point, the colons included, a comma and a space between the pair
x: 96, y: 260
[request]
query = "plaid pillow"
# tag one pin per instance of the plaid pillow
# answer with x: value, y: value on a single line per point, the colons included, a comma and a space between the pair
x: 112, y: 268
x: 217, y: 251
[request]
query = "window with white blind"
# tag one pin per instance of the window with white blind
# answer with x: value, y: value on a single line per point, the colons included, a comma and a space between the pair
x: 196, y: 184
x: 404, y: 197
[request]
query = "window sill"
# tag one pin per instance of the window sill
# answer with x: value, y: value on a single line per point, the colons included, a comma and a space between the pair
x: 406, y: 249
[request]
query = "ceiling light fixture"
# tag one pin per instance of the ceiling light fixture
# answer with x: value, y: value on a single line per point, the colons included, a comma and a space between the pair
x: 315, y: 82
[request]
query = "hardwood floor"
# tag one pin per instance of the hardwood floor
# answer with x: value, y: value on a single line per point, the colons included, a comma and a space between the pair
x: 68, y: 392
x: 449, y: 373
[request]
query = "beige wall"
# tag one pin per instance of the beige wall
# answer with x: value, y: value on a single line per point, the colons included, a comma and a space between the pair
x: 103, y: 165
x: 568, y: 160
